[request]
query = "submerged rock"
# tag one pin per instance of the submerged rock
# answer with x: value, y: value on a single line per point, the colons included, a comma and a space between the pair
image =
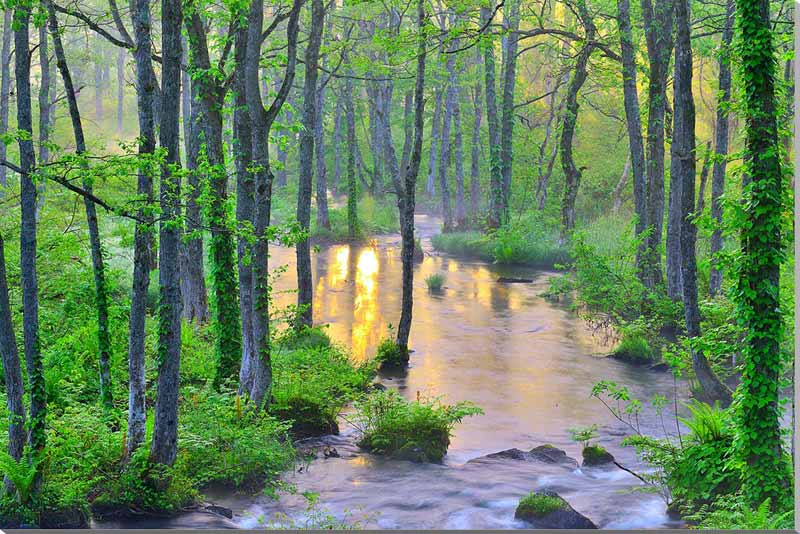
x: 219, y: 510
x: 511, y: 280
x: 594, y: 455
x: 543, y: 453
x: 547, y: 509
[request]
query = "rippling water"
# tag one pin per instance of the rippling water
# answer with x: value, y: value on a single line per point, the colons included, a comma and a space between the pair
x: 527, y: 363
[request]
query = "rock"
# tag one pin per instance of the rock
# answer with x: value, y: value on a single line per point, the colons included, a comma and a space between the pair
x: 511, y: 454
x: 219, y: 510
x: 547, y: 509
x: 511, y: 280
x: 551, y: 455
x: 660, y: 367
x: 330, y: 452
x: 594, y: 455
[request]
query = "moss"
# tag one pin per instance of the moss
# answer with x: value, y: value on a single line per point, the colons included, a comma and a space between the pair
x: 596, y: 455
x: 390, y: 356
x: 538, y: 505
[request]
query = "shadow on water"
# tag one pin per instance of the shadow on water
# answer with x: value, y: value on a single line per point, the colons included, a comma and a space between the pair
x: 528, y: 364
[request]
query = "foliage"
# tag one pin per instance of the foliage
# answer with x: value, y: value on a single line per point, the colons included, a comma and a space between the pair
x: 390, y: 355
x: 435, y: 282
x: 312, y: 383
x: 418, y: 430
x: 635, y: 343
x: 583, y: 434
x: 732, y: 512
x: 374, y: 217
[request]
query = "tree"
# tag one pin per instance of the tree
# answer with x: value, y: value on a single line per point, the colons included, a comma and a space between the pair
x: 306, y: 157
x: 511, y: 25
x: 5, y: 85
x: 164, y: 446
x: 495, y: 154
x: 758, y: 442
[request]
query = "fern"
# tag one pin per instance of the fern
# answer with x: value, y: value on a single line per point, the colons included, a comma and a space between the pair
x: 21, y: 474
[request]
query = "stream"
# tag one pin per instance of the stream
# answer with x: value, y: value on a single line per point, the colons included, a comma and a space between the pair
x: 528, y: 363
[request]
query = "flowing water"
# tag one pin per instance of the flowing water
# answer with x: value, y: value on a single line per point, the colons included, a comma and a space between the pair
x: 530, y: 366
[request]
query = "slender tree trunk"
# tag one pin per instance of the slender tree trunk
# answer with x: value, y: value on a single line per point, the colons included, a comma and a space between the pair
x: 259, y: 384
x: 495, y: 153
x: 623, y: 181
x: 306, y: 157
x: 352, y: 189
x: 30, y: 288
x: 98, y: 87
x: 410, y: 187
x: 146, y: 89
x: 323, y: 220
x: 101, y: 290
x: 444, y: 155
x: 475, y: 153
x: 721, y: 148
x: 430, y: 186
x: 245, y: 205
x: 658, y: 32
x: 5, y: 87
x: 633, y: 121
x: 164, y: 446
x: 683, y: 168
x: 460, y: 197
x: 121, y: 55
x: 283, y: 153
x: 511, y: 24
x: 674, y: 226
x: 572, y: 174
x: 701, y: 195
x: 44, y: 113
x: 337, y: 146
x: 12, y: 373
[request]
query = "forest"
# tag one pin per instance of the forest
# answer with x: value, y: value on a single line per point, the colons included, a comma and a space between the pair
x: 420, y: 264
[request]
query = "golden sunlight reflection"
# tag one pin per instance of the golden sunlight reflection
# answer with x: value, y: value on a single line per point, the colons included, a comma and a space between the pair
x: 365, y: 303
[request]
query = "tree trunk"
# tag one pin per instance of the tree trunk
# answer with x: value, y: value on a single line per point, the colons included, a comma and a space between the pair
x: 701, y: 195
x: 337, y: 146
x: 164, y: 446
x: 352, y: 188
x: 634, y: 124
x: 121, y: 55
x: 511, y: 24
x: 475, y: 153
x: 44, y: 112
x: 623, y: 181
x: 211, y: 95
x: 495, y: 153
x: 146, y: 88
x: 5, y: 87
x: 259, y: 384
x: 572, y: 174
x: 410, y: 187
x: 658, y: 32
x: 101, y: 291
x: 306, y: 158
x: 12, y: 373
x: 444, y: 154
x: 98, y: 86
x: 29, y: 279
x: 674, y: 225
x: 430, y: 186
x: 683, y: 169
x: 721, y: 148
x: 323, y: 220
x: 759, y: 411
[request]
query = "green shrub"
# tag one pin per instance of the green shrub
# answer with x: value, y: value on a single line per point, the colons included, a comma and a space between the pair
x: 223, y: 441
x: 538, y: 505
x: 733, y: 513
x: 435, y: 282
x: 418, y: 431
x: 390, y: 356
x: 313, y: 384
x: 635, y: 343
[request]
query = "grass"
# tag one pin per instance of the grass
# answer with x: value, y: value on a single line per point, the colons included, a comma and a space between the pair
x: 435, y: 282
x: 417, y: 430
x: 527, y: 241
x: 390, y: 356
x: 634, y: 346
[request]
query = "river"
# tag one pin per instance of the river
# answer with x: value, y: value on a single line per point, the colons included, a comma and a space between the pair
x: 528, y: 363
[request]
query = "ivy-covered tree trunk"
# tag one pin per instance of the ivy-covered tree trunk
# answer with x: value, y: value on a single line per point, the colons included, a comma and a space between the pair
x: 758, y: 409
x: 164, y: 446
x: 495, y: 153
x: 634, y: 125
x: 683, y: 168
x: 721, y: 147
x: 211, y: 95
x: 352, y: 147
x: 146, y: 89
x: 475, y: 151
x: 12, y: 373
x: 306, y: 158
x: 511, y: 26
x: 30, y: 285
x: 98, y: 267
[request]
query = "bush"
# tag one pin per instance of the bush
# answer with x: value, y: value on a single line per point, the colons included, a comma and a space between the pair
x: 435, y: 282
x: 733, y: 513
x: 635, y: 344
x: 312, y: 384
x: 418, y: 431
x: 390, y: 356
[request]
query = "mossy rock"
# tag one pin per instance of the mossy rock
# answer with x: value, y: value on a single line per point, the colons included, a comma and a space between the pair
x: 596, y: 455
x: 547, y: 509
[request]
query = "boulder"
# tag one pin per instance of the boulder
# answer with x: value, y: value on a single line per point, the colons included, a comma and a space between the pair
x: 551, y: 455
x: 547, y: 509
x: 594, y: 455
x: 219, y: 510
